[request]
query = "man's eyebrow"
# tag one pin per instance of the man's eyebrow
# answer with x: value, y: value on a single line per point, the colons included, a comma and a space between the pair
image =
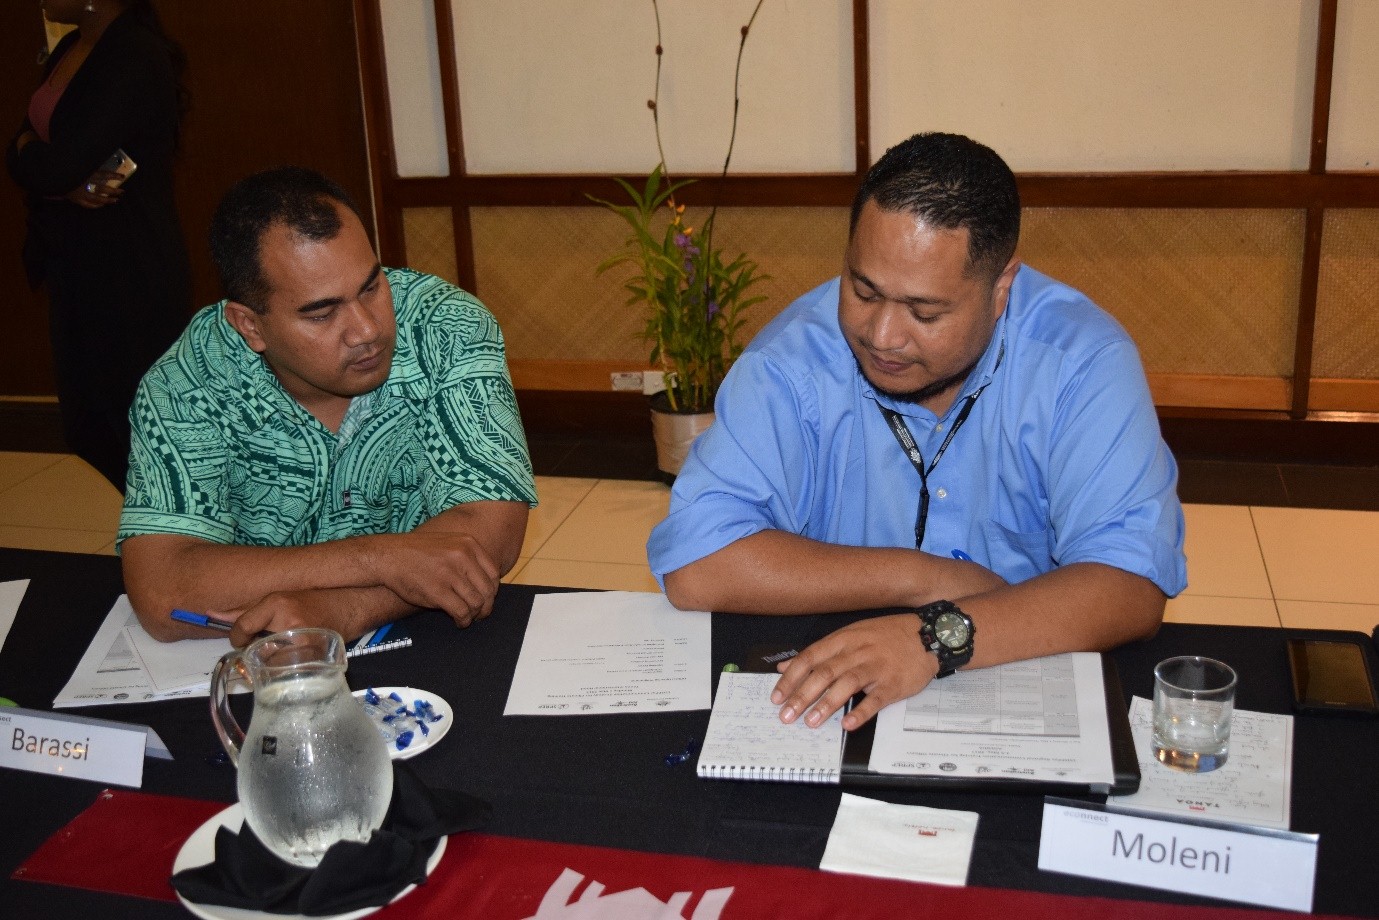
x: 325, y: 302
x: 913, y: 301
x: 321, y: 304
x: 373, y: 276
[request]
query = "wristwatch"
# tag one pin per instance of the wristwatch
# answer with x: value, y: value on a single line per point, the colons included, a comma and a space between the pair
x: 947, y: 632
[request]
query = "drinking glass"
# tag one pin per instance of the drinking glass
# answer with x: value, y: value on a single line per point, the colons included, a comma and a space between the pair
x: 1193, y: 701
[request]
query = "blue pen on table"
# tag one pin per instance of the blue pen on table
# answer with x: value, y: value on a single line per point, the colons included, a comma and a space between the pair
x: 961, y: 556
x: 200, y: 619
x: 377, y: 635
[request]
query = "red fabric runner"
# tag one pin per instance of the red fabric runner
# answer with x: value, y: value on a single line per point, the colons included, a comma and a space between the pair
x: 126, y: 842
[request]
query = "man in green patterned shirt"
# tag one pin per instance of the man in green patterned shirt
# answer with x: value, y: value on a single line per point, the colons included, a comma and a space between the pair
x: 336, y: 444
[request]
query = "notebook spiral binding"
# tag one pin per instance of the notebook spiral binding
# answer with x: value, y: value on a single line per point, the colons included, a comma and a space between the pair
x: 767, y: 774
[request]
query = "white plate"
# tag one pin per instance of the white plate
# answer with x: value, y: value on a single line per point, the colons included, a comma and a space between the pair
x: 200, y: 850
x: 420, y: 742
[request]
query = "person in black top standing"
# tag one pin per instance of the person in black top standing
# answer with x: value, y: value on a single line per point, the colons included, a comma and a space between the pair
x: 112, y: 256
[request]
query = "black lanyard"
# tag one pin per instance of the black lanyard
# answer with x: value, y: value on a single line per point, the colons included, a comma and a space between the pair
x: 907, y: 443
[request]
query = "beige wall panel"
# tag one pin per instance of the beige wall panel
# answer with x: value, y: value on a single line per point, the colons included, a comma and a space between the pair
x: 1354, y: 140
x: 535, y: 271
x: 550, y: 86
x: 1346, y: 343
x: 1095, y: 85
x: 429, y: 234
x: 414, y: 87
x: 1201, y: 291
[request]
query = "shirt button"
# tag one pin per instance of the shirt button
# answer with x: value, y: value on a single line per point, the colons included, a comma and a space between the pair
x: 939, y: 428
x: 942, y: 493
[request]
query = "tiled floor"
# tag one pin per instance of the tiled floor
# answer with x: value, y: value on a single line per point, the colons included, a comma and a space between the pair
x: 1248, y: 564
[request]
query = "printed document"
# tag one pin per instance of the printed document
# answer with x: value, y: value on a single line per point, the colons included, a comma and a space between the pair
x: 1253, y: 786
x: 11, y: 593
x: 589, y: 653
x: 124, y: 664
x: 1041, y: 719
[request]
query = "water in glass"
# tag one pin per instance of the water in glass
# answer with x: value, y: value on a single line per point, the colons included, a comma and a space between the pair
x: 1192, y: 735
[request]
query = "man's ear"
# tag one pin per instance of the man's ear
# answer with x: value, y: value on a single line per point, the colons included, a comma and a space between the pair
x: 246, y: 322
x: 1000, y: 291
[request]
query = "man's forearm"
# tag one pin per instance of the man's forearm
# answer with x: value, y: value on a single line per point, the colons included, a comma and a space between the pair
x: 452, y: 561
x: 1078, y: 607
x: 774, y: 572
x: 164, y: 571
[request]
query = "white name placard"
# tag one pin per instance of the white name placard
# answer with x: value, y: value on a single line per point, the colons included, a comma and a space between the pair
x: 1251, y: 865
x: 83, y: 748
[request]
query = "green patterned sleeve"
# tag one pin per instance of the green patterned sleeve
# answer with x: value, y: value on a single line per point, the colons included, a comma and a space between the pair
x: 177, y: 465
x: 475, y: 447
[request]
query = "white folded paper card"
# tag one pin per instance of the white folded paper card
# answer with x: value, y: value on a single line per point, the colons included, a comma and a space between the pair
x: 900, y: 841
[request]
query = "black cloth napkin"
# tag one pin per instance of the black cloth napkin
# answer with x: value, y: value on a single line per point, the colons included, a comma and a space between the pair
x: 248, y: 875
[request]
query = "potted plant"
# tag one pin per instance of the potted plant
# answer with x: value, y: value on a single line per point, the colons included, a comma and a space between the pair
x: 693, y: 296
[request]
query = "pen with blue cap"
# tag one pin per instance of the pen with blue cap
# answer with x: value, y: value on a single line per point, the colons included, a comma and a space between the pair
x: 201, y: 619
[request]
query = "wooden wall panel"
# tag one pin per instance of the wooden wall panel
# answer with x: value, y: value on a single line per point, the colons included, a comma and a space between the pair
x: 26, y: 366
x: 272, y: 84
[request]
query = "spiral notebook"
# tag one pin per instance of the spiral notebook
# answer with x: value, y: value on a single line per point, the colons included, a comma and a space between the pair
x: 747, y: 740
x: 385, y: 637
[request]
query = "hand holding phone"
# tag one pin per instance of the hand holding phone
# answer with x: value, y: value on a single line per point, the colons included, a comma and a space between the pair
x: 102, y: 187
x: 120, y: 165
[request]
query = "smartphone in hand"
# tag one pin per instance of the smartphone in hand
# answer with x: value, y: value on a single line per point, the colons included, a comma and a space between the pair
x: 121, y: 164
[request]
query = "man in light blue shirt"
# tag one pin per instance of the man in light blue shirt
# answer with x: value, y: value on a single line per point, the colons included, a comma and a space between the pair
x: 940, y: 429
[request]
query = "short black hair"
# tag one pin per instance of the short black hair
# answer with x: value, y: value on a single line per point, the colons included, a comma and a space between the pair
x: 303, y: 199
x: 950, y: 182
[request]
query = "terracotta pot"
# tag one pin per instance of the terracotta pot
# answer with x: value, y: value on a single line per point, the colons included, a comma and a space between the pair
x: 674, y: 433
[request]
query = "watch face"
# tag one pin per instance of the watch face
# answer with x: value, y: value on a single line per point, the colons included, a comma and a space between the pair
x: 951, y: 629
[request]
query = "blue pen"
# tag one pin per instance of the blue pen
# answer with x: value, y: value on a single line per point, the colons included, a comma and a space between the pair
x: 961, y: 556
x: 200, y: 619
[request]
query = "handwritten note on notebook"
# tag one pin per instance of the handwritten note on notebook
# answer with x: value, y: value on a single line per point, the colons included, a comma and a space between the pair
x: 747, y: 740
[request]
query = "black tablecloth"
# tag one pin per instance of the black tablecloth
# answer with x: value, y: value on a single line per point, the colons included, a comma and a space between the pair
x: 603, y: 780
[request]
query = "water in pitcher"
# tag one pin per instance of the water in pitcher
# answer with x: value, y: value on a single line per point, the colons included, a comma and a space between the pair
x: 318, y: 773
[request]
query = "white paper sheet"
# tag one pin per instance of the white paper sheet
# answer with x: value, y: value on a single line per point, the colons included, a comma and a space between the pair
x: 1041, y: 719
x: 610, y: 651
x: 1253, y: 786
x: 900, y: 841
x: 111, y: 671
x: 176, y: 665
x: 11, y: 594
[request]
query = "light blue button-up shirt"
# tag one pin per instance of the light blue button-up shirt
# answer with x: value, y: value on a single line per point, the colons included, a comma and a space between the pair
x: 1060, y: 461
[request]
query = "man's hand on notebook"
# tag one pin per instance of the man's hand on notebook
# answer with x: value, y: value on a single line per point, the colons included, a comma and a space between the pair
x: 882, y: 657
